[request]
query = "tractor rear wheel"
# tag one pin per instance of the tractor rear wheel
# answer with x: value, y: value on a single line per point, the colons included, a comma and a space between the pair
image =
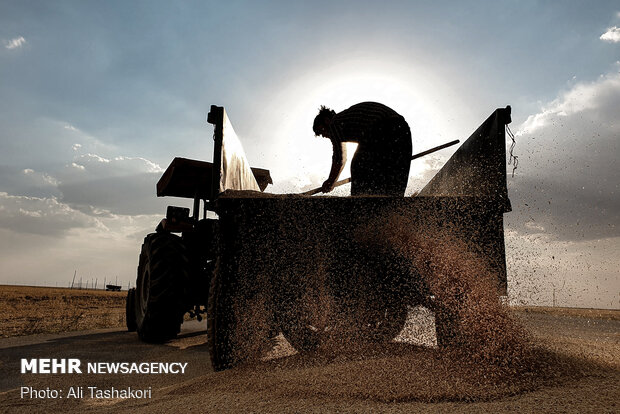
x: 378, y: 292
x: 382, y: 322
x: 163, y: 277
x: 130, y: 310
x: 306, y: 314
x: 361, y: 325
x: 304, y: 337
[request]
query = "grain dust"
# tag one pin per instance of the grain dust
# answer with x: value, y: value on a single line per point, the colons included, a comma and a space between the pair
x: 312, y: 334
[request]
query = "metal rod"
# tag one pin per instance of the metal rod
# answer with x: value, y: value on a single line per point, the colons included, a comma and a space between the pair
x: 437, y: 148
x: 413, y: 157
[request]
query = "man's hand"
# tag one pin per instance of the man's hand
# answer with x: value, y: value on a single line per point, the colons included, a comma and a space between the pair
x: 327, y: 186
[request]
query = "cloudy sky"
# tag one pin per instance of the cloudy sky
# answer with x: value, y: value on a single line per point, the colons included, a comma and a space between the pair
x: 96, y: 98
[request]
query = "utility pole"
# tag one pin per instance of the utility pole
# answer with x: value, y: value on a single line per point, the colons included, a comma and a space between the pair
x: 74, y: 273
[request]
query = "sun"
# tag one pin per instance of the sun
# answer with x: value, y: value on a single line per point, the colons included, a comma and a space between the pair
x: 308, y: 158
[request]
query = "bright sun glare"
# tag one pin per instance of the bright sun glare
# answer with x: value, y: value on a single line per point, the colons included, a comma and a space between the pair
x: 308, y: 158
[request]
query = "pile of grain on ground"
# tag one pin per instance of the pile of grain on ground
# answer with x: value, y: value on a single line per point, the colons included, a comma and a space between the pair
x: 461, y: 283
x: 26, y: 310
x: 394, y: 372
x: 494, y: 355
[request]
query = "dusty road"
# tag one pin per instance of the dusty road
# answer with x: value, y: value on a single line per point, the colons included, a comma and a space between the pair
x: 402, y: 377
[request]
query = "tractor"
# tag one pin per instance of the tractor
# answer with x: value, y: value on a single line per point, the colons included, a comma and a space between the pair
x: 260, y: 264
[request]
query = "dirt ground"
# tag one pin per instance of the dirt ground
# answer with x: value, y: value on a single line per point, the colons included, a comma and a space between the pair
x: 577, y: 369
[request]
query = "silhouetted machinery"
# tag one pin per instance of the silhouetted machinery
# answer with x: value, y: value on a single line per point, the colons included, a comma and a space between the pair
x: 259, y: 264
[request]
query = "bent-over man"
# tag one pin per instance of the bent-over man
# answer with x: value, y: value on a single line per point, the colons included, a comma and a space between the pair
x: 380, y: 165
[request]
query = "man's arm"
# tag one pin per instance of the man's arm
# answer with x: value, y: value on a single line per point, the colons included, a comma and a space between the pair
x: 339, y: 157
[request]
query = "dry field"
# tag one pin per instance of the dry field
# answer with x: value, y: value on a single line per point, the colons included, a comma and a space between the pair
x: 604, y: 314
x: 575, y: 366
x: 26, y: 310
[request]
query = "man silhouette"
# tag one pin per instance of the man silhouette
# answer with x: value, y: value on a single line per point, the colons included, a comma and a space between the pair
x: 380, y: 165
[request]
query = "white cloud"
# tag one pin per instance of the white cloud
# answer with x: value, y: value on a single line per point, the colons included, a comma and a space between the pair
x: 583, y: 96
x: 90, y: 183
x: 143, y: 163
x: 566, y: 185
x: 40, y: 215
x: 29, y: 182
x: 99, y: 186
x: 612, y: 35
x: 96, y: 158
x: 98, y: 167
x: 40, y: 179
x: 14, y: 43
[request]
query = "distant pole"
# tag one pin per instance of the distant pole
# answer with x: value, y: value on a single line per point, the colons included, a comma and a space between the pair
x: 74, y: 273
x: 96, y: 284
x: 80, y: 282
x: 104, y: 280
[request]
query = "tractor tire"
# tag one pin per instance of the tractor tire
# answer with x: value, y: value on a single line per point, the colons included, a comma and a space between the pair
x: 383, y: 323
x: 130, y: 310
x: 377, y: 294
x: 304, y: 323
x: 301, y: 337
x: 163, y: 278
x: 369, y: 313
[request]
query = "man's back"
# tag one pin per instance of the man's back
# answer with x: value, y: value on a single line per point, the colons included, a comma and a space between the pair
x: 356, y: 123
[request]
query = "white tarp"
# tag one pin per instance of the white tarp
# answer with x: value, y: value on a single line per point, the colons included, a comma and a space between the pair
x: 236, y: 173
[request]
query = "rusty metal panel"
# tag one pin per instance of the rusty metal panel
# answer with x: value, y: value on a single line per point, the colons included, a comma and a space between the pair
x: 235, y: 170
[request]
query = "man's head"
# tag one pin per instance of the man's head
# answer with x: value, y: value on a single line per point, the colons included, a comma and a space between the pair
x: 322, y: 121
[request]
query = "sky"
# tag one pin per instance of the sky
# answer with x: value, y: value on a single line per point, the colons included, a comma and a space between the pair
x: 96, y: 99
